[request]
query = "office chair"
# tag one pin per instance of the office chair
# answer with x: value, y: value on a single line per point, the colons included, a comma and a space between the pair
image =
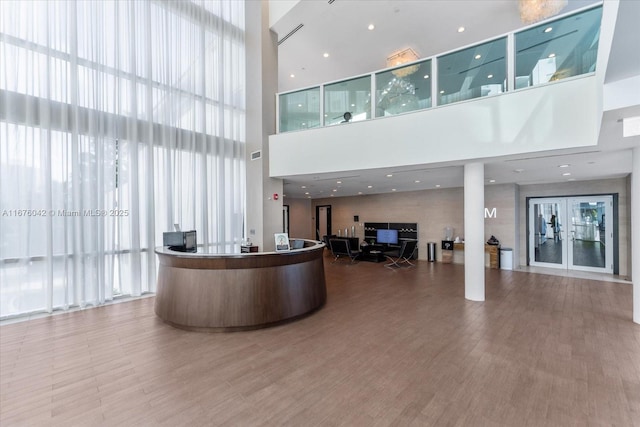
x: 341, y: 247
x: 402, y: 257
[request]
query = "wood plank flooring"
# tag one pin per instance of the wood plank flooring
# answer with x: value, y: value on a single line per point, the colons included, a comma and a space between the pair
x: 389, y: 348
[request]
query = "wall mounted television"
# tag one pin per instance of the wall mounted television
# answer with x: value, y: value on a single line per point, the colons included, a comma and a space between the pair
x: 389, y: 237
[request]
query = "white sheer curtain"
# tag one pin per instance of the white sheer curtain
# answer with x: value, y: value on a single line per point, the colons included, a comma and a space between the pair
x: 117, y: 120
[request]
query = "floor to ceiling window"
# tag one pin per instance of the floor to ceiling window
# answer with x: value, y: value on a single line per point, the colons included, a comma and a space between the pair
x: 118, y: 119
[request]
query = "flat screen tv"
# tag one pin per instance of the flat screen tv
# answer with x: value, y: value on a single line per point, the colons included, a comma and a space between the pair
x: 389, y: 237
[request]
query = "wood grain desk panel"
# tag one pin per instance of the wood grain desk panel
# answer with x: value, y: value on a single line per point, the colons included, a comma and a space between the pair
x: 239, y: 291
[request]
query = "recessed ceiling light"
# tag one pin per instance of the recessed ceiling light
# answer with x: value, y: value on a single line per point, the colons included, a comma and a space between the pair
x: 417, y: 181
x: 478, y: 56
x: 338, y: 182
x: 566, y: 174
x: 389, y: 175
x: 369, y: 186
x: 306, y: 192
x: 304, y: 186
x: 326, y: 55
x: 331, y: 195
x: 304, y: 124
x: 492, y: 180
x: 335, y: 189
x: 563, y: 166
x: 437, y: 185
x: 548, y: 29
x: 426, y: 76
x: 299, y: 105
x: 292, y: 75
x: 552, y: 55
x: 490, y: 76
x: 441, y: 91
x: 371, y: 27
x: 359, y: 192
x: 461, y: 29
x: 518, y: 170
x: 393, y: 189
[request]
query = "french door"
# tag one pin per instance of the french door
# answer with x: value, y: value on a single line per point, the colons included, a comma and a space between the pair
x: 574, y: 233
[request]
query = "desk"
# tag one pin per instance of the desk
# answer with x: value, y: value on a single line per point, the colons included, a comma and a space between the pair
x: 231, y: 292
x: 492, y: 250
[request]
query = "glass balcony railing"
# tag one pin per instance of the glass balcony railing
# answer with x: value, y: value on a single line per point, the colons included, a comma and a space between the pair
x: 551, y: 51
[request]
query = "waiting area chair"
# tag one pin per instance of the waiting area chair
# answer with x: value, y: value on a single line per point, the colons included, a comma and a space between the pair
x: 402, y: 257
x: 341, y: 247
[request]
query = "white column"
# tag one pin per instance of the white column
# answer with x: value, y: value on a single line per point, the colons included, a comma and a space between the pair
x: 474, y: 231
x: 635, y: 233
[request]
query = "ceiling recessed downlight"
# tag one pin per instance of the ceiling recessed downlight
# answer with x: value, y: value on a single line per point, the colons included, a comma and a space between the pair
x: 292, y: 75
x: 461, y: 29
x: 371, y: 27
x: 566, y: 174
x: 437, y: 185
x: 326, y: 54
x: 548, y: 29
x: 369, y: 186
x: 478, y: 56
x: 389, y: 175
x: 393, y: 189
x: 417, y: 181
x: 552, y: 55
x: 338, y: 182
x: 490, y: 76
x: 492, y: 180
x: 426, y: 76
x: 564, y: 166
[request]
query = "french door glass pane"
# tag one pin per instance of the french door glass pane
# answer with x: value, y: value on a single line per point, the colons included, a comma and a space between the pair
x: 548, y: 241
x: 588, y: 233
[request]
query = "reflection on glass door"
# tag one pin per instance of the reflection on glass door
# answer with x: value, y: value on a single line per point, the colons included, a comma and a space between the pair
x: 572, y: 233
x: 591, y: 238
x: 547, y: 246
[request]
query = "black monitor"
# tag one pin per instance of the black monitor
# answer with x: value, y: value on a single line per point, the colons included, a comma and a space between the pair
x: 389, y: 237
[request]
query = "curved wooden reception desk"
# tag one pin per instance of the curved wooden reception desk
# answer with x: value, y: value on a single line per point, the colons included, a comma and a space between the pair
x: 228, y: 292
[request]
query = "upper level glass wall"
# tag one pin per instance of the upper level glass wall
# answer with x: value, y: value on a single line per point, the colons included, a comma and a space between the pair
x: 403, y: 89
x: 300, y: 110
x: 350, y: 96
x: 473, y: 72
x: 557, y: 50
x: 551, y: 51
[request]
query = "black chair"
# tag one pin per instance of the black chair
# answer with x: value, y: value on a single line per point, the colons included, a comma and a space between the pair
x: 341, y: 247
x: 402, y: 257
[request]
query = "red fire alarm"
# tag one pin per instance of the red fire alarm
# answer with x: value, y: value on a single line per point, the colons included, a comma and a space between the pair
x: 275, y: 196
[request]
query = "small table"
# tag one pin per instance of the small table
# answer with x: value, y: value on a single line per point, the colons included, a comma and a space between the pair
x: 372, y: 253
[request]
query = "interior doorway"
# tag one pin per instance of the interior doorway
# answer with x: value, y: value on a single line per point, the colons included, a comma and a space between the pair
x: 573, y: 233
x: 285, y: 219
x: 323, y: 221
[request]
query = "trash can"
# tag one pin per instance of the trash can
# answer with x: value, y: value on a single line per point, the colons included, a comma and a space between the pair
x: 431, y: 251
x: 506, y: 258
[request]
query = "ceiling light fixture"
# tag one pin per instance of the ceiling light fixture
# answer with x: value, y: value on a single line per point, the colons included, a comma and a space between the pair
x: 536, y: 10
x: 437, y: 185
x: 566, y: 174
x: 292, y: 75
x: 564, y: 166
x: 461, y: 29
x: 389, y: 175
x: 548, y: 29
x: 369, y: 186
x: 338, y: 182
x: 426, y: 76
x: 478, y: 56
x: 393, y: 189
x: 371, y: 27
x: 403, y: 57
x: 326, y: 55
x: 417, y: 181
x: 552, y: 55
x: 490, y: 76
x: 492, y: 180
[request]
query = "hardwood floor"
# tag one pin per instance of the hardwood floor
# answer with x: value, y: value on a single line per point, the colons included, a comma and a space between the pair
x: 389, y: 348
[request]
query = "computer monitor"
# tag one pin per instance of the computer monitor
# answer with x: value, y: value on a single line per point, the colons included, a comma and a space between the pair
x: 389, y: 237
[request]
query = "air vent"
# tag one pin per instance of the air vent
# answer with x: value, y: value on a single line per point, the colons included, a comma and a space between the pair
x: 256, y: 155
x: 292, y: 32
x: 331, y: 1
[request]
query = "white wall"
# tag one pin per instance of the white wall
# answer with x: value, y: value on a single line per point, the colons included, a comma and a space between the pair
x: 555, y: 116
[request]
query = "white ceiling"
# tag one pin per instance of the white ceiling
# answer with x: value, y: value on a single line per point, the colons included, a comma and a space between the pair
x: 430, y: 28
